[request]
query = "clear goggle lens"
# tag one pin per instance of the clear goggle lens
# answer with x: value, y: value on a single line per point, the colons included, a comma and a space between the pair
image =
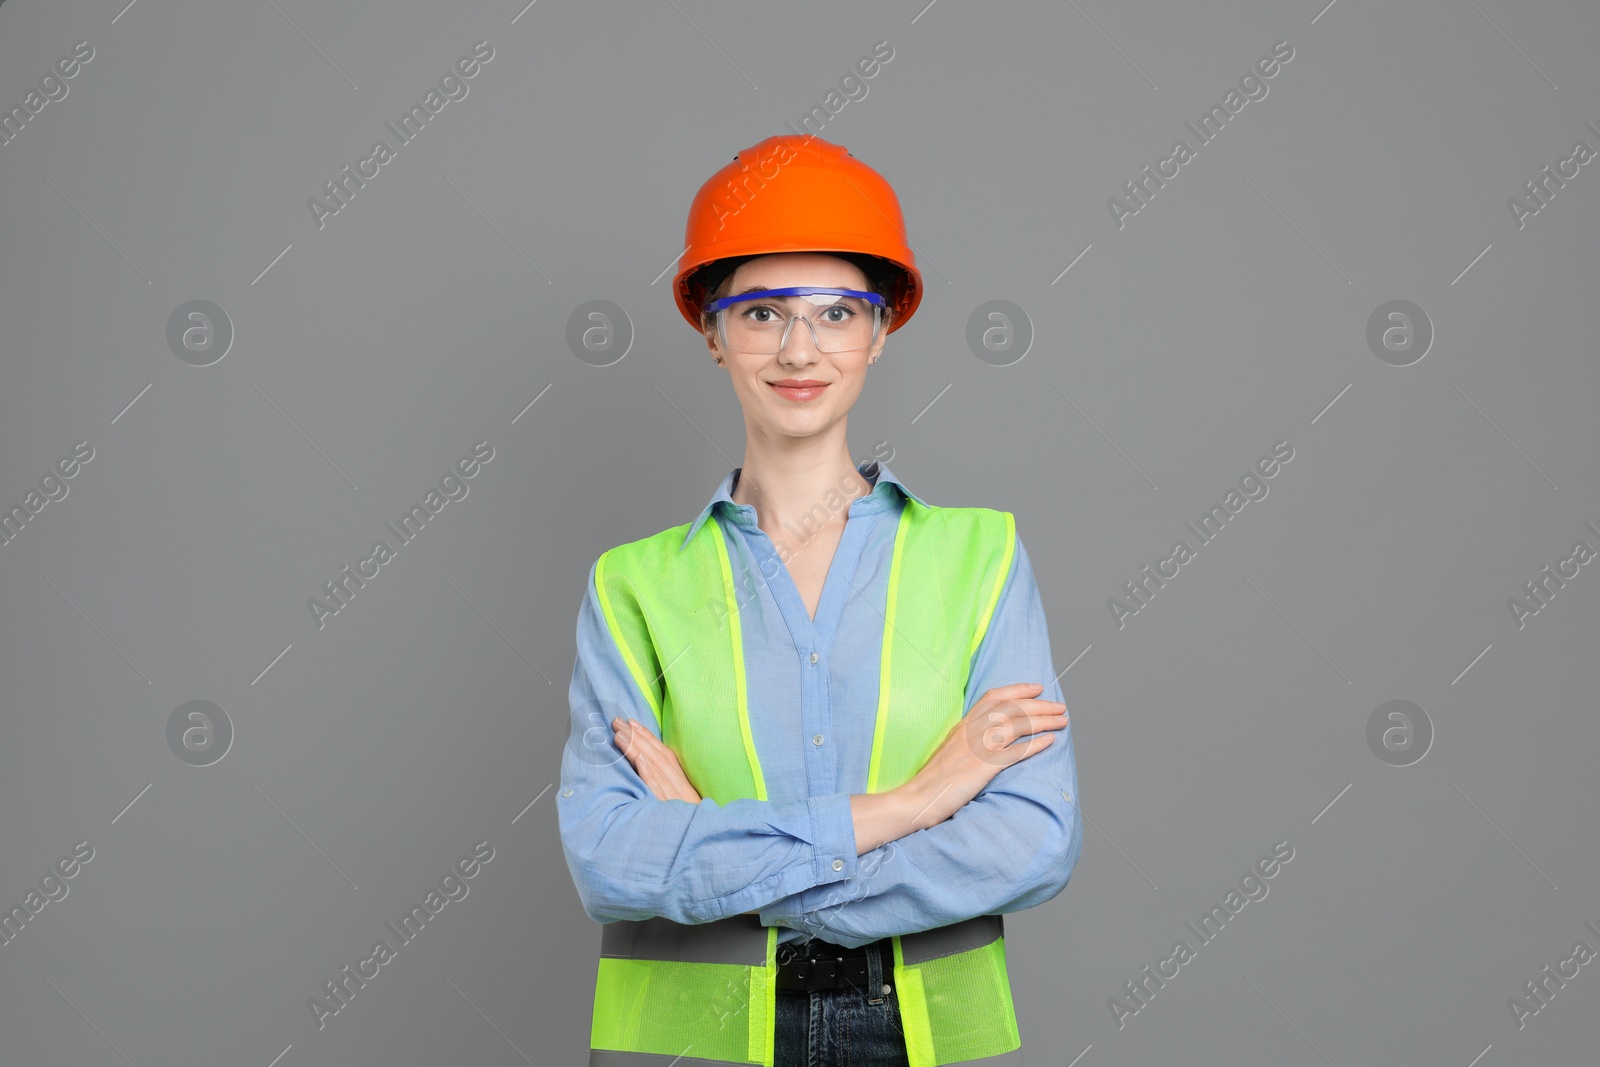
x: 761, y: 323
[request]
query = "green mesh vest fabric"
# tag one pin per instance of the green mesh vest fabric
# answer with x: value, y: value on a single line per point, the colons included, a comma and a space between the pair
x: 704, y: 994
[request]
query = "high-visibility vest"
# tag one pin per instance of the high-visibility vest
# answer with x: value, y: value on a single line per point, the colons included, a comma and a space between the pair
x: 705, y: 994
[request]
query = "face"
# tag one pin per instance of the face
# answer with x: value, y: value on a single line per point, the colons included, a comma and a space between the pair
x: 837, y: 377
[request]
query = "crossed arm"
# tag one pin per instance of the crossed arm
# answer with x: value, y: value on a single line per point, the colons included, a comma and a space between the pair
x: 633, y: 855
x: 654, y: 848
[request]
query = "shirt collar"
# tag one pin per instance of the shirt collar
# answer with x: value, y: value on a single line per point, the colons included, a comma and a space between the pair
x: 878, y: 474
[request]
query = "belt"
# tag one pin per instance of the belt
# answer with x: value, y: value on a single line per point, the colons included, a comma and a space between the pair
x: 833, y: 967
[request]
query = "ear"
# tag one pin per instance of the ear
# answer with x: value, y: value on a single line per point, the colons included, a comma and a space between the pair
x: 711, y: 342
x: 883, y: 336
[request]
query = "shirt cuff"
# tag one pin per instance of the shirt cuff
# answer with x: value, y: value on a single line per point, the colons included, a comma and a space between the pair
x: 833, y: 838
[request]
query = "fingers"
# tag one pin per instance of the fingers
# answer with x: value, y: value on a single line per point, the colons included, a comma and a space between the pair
x: 636, y: 744
x: 633, y: 733
x: 622, y: 732
x: 1004, y: 724
x: 1013, y: 691
x: 1003, y: 735
x: 654, y: 762
x: 1029, y: 748
x: 1034, y: 724
x: 1030, y: 708
x: 641, y: 746
x: 1025, y: 695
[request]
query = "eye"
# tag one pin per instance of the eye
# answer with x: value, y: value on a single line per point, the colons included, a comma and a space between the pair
x: 755, y: 313
x: 845, y: 312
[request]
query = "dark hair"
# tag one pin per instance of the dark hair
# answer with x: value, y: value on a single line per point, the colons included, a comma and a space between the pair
x: 717, y: 278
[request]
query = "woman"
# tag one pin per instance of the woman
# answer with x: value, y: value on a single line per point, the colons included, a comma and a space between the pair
x: 813, y: 757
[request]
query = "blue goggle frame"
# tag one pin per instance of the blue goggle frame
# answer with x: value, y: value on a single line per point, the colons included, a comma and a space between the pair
x: 795, y: 290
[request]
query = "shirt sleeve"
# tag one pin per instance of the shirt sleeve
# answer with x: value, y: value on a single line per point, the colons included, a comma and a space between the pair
x: 633, y: 856
x: 1012, y: 847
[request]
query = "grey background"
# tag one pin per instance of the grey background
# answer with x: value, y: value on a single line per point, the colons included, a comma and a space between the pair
x: 430, y: 714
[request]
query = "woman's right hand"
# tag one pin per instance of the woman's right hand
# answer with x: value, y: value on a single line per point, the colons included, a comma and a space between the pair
x: 979, y: 747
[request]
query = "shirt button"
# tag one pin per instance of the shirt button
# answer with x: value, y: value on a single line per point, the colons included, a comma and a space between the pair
x: 813, y: 657
x: 838, y: 865
x: 566, y: 792
x: 1066, y: 794
x: 816, y: 739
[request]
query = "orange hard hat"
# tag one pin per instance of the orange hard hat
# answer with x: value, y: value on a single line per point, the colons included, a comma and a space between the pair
x: 796, y: 194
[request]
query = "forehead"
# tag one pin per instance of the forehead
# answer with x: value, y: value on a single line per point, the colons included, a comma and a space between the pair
x: 797, y: 268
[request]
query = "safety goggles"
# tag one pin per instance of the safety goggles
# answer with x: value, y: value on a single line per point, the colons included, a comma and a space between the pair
x: 840, y: 320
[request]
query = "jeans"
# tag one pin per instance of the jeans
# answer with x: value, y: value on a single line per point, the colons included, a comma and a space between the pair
x: 848, y: 1027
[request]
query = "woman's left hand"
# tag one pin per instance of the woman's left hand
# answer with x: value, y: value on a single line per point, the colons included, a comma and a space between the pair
x: 656, y: 763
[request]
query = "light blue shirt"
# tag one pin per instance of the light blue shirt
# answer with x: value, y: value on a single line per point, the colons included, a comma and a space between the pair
x: 793, y: 857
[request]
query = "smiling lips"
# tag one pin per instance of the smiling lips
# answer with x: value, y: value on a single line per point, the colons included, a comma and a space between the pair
x: 798, y: 388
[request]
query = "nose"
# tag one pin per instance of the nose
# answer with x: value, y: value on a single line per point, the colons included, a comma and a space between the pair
x: 801, y: 349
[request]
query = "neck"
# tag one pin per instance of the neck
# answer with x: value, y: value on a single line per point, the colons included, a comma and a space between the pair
x: 798, y: 492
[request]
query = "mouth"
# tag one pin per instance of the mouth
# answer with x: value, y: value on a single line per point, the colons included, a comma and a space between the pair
x: 800, y: 391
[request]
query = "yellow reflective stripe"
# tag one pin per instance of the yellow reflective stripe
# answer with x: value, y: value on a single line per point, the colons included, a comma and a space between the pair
x: 732, y: 602
x: 634, y: 669
x: 886, y: 658
x: 763, y: 1005
x: 918, y: 1031
x: 763, y: 991
x: 1004, y: 571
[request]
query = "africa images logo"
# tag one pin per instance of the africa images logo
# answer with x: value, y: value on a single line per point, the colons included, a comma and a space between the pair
x: 342, y: 589
x: 1141, y: 990
x: 1252, y: 486
x: 1252, y: 86
x: 452, y: 86
x: 452, y: 888
x: 53, y: 88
